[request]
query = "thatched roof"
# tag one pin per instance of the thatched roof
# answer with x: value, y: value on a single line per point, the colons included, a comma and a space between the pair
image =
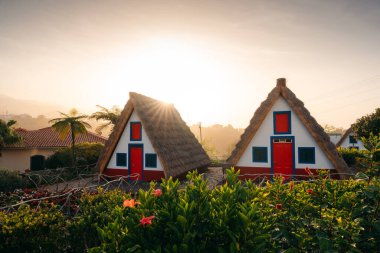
x: 303, y: 114
x: 177, y: 148
x: 345, y: 135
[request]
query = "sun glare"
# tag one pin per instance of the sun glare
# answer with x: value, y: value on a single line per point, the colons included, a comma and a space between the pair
x: 173, y: 71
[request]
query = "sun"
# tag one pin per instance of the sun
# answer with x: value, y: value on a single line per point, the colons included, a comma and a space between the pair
x: 174, y: 71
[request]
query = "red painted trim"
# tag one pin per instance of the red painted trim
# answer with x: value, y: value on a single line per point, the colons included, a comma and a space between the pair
x: 260, y: 172
x: 115, y: 172
x: 149, y: 175
x: 304, y: 174
x: 153, y: 175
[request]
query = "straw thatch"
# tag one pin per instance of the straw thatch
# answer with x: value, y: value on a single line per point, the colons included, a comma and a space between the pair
x: 345, y: 135
x: 176, y: 146
x: 315, y: 130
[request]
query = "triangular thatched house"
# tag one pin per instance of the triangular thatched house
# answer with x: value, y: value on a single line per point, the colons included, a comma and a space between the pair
x: 150, y: 142
x: 349, y: 140
x: 283, y: 138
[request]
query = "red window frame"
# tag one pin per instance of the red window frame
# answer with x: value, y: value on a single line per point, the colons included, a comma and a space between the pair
x: 136, y: 131
x: 282, y: 122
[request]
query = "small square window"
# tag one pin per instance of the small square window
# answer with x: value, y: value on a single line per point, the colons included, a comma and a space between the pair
x: 260, y: 154
x: 282, y: 122
x: 353, y: 140
x: 135, y: 131
x: 306, y: 155
x: 121, y: 159
x: 151, y: 160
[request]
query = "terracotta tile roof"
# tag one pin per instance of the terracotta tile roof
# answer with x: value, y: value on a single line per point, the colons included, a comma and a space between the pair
x: 316, y: 131
x: 49, y: 138
x: 176, y: 146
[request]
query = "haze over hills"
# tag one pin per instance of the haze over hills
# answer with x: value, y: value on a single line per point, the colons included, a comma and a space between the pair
x: 26, y: 121
x: 218, y: 140
x: 9, y: 105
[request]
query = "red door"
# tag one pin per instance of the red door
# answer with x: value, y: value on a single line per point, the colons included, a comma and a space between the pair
x: 135, y: 162
x: 283, y: 156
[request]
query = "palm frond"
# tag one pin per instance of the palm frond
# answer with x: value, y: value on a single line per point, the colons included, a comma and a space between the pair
x: 11, y: 123
x: 63, y: 129
x: 111, y: 115
x: 7, y: 134
x: 100, y: 128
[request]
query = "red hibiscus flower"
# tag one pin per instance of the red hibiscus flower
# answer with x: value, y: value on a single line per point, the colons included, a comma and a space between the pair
x: 310, y: 191
x: 27, y: 191
x: 157, y: 192
x: 279, y: 206
x: 147, y: 220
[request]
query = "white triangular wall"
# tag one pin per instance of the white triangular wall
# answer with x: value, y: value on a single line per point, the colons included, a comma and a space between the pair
x: 302, y: 138
x: 346, y: 143
x: 122, y: 145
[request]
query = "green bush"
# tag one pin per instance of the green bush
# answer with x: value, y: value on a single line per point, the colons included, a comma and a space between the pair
x: 86, y: 154
x: 30, y: 230
x: 323, y: 215
x: 351, y: 156
x: 11, y: 180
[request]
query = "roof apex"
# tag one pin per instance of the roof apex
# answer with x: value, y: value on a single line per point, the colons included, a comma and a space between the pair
x: 281, y: 82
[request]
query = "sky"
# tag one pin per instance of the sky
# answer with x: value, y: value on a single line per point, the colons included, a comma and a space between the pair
x: 215, y: 60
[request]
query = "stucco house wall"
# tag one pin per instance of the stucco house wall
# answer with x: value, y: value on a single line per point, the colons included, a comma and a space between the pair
x: 19, y: 159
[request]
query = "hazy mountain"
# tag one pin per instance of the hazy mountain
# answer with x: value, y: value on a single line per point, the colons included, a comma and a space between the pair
x: 9, y: 105
x: 218, y: 140
x: 41, y: 121
x: 26, y: 121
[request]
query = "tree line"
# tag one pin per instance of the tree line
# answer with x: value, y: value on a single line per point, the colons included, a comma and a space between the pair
x: 215, y: 142
x: 72, y: 123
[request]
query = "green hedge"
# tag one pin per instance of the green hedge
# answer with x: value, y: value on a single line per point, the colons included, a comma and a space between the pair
x: 320, y: 216
x: 351, y: 156
x: 11, y: 180
x: 86, y: 154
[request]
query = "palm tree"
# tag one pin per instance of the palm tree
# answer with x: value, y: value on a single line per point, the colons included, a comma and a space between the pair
x: 70, y: 123
x: 7, y: 135
x: 110, y: 116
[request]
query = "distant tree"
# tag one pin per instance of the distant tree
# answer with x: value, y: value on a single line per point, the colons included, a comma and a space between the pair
x: 221, y: 140
x: 86, y: 153
x: 210, y: 150
x: 110, y: 116
x: 367, y: 124
x: 70, y: 123
x: 7, y: 135
x: 330, y: 129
